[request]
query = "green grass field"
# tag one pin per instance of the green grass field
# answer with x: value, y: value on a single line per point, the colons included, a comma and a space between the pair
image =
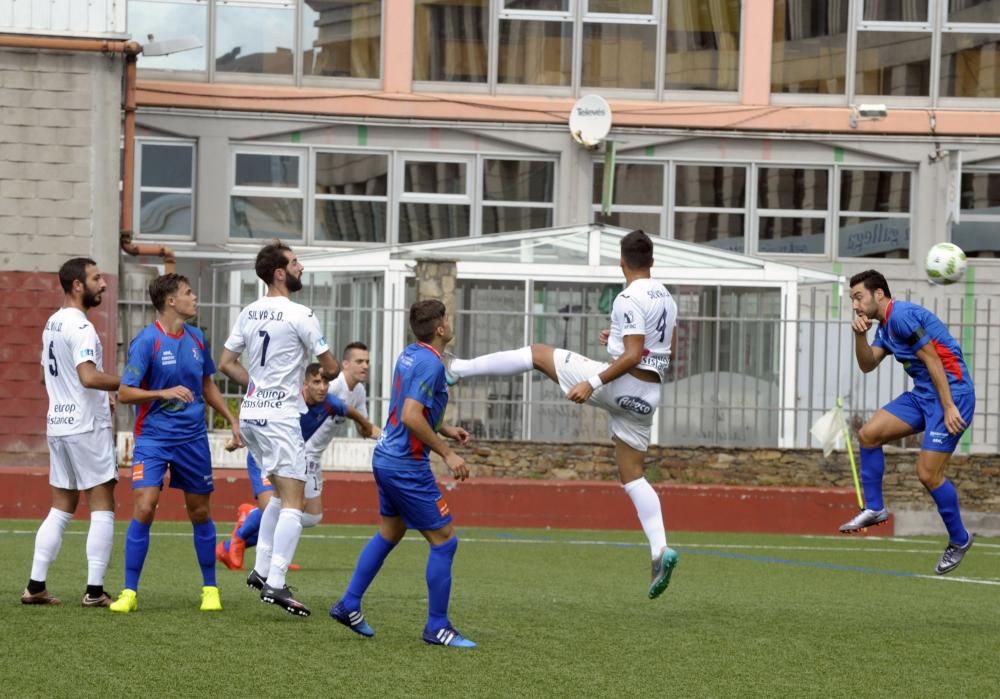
x: 556, y: 613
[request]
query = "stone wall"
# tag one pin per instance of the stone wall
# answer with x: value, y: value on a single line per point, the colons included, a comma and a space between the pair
x: 976, y: 477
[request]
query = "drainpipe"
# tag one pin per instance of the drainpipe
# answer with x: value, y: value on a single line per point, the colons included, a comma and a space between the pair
x: 130, y: 50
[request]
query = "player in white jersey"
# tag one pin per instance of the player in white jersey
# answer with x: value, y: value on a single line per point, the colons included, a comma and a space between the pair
x: 81, y: 441
x: 278, y: 337
x: 628, y: 387
x: 349, y: 386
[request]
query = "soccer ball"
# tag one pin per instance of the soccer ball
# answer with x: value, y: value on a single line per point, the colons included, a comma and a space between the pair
x: 946, y: 264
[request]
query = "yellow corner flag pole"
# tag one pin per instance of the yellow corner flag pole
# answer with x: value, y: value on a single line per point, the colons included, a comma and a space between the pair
x: 850, y: 455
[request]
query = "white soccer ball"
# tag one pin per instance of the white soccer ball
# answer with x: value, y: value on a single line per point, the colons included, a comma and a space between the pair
x: 946, y: 263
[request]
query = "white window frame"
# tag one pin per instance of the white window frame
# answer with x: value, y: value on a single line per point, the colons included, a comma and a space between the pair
x: 969, y: 215
x: 314, y: 197
x: 270, y: 192
x: 469, y: 198
x: 757, y: 211
x: 645, y: 209
x: 483, y: 202
x: 750, y: 192
x: 838, y: 213
x: 138, y: 188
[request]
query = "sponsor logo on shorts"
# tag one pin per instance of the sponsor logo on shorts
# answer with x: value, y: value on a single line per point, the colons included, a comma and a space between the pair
x: 636, y: 405
x: 442, y: 507
x: 137, y: 471
x: 938, y: 437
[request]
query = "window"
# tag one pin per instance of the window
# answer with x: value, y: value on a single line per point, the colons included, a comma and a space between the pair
x: 919, y: 51
x: 288, y: 41
x: 637, y: 199
x: 565, y: 46
x: 766, y: 208
x: 267, y: 196
x: 792, y: 210
x: 874, y: 213
x: 978, y: 234
x: 166, y: 188
x: 517, y: 195
x: 352, y: 197
x: 709, y: 205
x: 435, y: 201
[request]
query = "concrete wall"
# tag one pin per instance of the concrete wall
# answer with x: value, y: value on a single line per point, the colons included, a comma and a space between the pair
x: 59, y: 172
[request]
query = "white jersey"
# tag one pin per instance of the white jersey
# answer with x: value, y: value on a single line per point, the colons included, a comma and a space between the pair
x: 69, y: 339
x: 324, y: 434
x: 644, y: 308
x: 278, y: 337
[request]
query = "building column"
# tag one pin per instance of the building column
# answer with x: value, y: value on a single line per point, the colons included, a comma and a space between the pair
x: 436, y: 279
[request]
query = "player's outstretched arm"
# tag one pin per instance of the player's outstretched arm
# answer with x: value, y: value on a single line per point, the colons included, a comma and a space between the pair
x: 213, y: 397
x: 229, y: 364
x: 868, y: 357
x: 90, y: 377
x: 953, y: 419
x: 416, y: 423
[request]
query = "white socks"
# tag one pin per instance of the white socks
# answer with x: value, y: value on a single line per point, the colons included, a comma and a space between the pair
x: 48, y: 540
x: 506, y: 363
x: 286, y: 538
x: 647, y: 506
x: 310, y: 520
x: 265, y: 536
x: 99, y: 543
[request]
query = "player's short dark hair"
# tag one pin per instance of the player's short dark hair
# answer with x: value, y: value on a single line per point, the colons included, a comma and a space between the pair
x: 313, y: 369
x: 637, y: 250
x: 270, y: 258
x: 74, y: 270
x: 356, y: 345
x: 425, y: 317
x: 872, y: 280
x: 163, y: 286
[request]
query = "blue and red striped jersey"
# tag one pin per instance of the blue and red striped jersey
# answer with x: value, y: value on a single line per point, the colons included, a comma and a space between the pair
x: 419, y: 374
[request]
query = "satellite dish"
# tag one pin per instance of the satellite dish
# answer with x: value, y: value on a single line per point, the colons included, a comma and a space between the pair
x: 590, y: 121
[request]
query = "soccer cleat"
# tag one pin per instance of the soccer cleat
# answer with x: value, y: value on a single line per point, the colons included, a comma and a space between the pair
x: 282, y: 596
x: 255, y: 581
x: 447, y: 358
x: 210, y: 601
x: 294, y: 566
x: 125, y: 603
x: 225, y: 557
x: 663, y: 568
x: 447, y: 636
x: 953, y: 555
x: 101, y: 600
x: 352, y: 619
x: 865, y: 518
x: 234, y: 559
x: 40, y: 597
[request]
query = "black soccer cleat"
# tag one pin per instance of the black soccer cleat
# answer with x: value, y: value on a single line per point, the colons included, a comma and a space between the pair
x: 255, y: 581
x: 953, y: 555
x: 282, y: 596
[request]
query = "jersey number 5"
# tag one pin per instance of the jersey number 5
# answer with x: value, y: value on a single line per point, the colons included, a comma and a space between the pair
x: 267, y: 341
x: 53, y: 367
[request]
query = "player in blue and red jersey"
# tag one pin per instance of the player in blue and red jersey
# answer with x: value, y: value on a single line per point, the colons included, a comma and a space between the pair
x: 409, y: 497
x: 941, y: 404
x: 169, y: 377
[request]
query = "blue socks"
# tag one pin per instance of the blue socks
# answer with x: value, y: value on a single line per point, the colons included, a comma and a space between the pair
x: 204, y: 547
x: 946, y: 498
x: 251, y: 525
x: 872, y: 470
x: 369, y: 563
x: 439, y: 582
x: 136, y: 548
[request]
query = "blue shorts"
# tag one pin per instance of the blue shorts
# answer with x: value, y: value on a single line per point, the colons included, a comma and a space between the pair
x: 923, y: 412
x: 258, y: 481
x: 190, y: 465
x: 412, y: 494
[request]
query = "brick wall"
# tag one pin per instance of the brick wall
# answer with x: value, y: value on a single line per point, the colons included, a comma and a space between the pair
x: 60, y: 120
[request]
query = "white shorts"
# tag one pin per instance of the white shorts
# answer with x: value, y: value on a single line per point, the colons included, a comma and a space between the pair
x: 629, y: 402
x: 277, y: 447
x: 82, y: 461
x: 314, y: 477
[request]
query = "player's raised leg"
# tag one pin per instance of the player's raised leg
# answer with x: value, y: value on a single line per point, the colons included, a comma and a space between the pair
x: 883, y: 427
x: 505, y: 363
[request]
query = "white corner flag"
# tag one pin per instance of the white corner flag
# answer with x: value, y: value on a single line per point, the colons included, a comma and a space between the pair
x: 828, y: 429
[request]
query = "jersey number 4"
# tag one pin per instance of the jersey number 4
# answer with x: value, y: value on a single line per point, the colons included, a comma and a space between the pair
x: 53, y: 367
x: 267, y: 341
x: 661, y: 325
